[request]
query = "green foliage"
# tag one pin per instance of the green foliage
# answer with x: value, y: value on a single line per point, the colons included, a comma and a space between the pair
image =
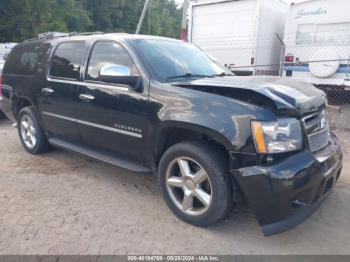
x: 164, y: 18
x: 23, y: 19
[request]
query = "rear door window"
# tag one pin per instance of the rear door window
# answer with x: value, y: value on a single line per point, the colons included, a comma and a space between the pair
x: 67, y: 59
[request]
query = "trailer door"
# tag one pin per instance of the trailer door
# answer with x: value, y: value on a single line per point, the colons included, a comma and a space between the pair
x: 225, y: 31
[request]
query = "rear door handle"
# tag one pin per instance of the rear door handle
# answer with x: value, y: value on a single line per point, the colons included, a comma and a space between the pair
x: 86, y: 97
x: 47, y: 91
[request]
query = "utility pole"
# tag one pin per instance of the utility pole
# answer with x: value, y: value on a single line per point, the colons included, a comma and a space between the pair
x: 144, y: 11
x: 183, y: 33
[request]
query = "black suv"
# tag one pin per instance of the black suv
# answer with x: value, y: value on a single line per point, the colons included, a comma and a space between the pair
x: 161, y: 106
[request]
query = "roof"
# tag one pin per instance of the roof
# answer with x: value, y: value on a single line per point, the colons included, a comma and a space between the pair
x: 53, y: 36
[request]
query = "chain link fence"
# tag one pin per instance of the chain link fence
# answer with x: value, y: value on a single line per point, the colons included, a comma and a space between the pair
x: 322, y: 59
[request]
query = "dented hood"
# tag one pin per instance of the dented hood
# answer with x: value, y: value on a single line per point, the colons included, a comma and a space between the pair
x: 284, y: 95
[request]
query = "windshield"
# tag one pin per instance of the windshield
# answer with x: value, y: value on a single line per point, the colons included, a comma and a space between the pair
x: 172, y: 61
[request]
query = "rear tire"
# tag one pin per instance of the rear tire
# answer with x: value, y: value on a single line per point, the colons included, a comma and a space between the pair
x: 204, y: 195
x: 32, y: 135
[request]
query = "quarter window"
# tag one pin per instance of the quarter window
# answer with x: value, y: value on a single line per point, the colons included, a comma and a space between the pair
x: 28, y: 61
x: 108, y: 53
x: 66, y: 61
x: 23, y: 60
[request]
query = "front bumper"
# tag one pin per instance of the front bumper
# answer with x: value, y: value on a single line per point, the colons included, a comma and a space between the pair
x: 285, y: 194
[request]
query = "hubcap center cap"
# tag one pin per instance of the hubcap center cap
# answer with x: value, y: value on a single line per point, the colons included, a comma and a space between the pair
x: 189, y: 184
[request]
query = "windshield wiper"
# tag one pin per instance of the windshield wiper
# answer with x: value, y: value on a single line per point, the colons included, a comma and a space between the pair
x: 222, y: 74
x: 187, y: 75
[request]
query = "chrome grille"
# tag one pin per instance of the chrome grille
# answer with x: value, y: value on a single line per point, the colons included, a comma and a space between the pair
x: 317, y: 130
x: 319, y: 140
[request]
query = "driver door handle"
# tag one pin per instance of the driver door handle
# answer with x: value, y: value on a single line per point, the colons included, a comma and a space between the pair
x: 86, y: 97
x: 47, y: 91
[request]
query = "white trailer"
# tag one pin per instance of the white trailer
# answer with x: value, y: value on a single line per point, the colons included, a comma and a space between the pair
x: 5, y: 49
x: 241, y: 34
x: 317, y: 39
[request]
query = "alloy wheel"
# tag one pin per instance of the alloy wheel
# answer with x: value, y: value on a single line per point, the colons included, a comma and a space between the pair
x: 28, y: 131
x: 189, y: 186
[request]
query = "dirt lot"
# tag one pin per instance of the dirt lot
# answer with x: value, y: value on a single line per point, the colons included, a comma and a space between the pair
x: 62, y: 203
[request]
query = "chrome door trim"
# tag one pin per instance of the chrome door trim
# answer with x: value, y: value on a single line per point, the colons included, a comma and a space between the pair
x: 60, y: 116
x: 106, y: 86
x: 107, y: 128
x: 56, y: 80
x: 87, y: 84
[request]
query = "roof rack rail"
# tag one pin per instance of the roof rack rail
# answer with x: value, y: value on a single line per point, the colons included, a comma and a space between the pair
x: 49, y: 35
x: 86, y: 33
x: 52, y: 35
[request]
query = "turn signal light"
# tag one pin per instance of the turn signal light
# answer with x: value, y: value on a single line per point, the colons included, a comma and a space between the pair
x: 258, y: 135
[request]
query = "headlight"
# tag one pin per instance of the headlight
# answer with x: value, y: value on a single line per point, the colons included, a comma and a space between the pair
x: 281, y: 136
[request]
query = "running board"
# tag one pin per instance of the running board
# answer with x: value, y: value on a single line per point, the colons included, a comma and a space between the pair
x: 105, y: 157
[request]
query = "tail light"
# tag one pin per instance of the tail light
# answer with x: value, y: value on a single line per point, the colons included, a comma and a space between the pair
x: 289, y: 59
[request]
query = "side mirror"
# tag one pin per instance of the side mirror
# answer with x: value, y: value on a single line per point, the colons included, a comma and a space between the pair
x: 119, y: 74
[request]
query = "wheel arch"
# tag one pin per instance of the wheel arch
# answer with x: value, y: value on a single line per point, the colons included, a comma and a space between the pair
x: 19, y: 102
x: 174, y: 132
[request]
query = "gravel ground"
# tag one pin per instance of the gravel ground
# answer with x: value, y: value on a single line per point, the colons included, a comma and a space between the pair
x: 62, y: 203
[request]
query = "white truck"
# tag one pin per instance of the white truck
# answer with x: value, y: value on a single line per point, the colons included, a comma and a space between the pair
x: 317, y: 39
x: 244, y: 35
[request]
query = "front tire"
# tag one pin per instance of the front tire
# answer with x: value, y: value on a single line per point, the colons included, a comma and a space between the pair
x: 195, y: 184
x: 31, y: 133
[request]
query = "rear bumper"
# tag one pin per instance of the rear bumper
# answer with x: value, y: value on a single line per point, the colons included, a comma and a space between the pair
x: 6, y: 103
x: 284, y: 195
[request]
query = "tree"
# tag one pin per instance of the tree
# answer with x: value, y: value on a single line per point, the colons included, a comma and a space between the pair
x: 164, y: 19
x: 23, y: 19
x: 71, y: 15
x: 105, y: 14
x: 19, y: 19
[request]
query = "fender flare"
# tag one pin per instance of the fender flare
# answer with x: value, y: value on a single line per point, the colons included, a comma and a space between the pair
x: 193, y: 127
